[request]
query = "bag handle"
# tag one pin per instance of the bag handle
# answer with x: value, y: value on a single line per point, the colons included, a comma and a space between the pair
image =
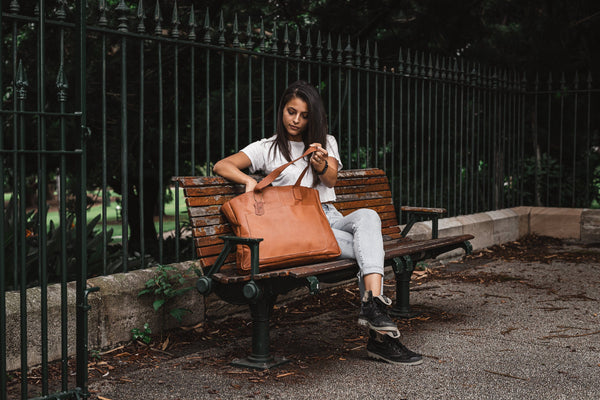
x: 271, y: 177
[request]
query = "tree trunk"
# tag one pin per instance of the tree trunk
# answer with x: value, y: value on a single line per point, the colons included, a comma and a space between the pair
x: 150, y: 200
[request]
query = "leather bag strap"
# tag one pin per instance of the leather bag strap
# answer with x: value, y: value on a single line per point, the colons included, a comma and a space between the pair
x: 271, y: 177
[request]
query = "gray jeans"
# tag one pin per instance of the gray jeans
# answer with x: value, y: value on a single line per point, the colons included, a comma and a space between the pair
x: 359, y: 236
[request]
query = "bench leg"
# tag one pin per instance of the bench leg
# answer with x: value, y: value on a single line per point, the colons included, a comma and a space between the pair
x: 260, y: 358
x: 403, y: 269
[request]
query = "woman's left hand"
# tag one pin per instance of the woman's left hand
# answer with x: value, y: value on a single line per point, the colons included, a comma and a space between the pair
x: 318, y: 160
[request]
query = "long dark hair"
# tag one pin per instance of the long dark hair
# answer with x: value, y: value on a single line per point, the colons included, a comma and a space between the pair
x: 316, y: 129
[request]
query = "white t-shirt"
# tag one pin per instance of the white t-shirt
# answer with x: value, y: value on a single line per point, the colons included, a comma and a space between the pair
x: 265, y: 160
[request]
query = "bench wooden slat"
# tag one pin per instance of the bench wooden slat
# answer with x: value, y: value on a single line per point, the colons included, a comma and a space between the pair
x: 208, y: 220
x: 342, y: 190
x: 364, y: 196
x: 208, y: 201
x: 211, y: 230
x: 203, y: 211
x: 205, y: 191
x: 208, y: 241
x: 383, y: 208
x: 415, y: 246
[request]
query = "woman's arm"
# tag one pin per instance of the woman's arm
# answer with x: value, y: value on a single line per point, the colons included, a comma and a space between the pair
x: 321, y: 160
x: 231, y: 168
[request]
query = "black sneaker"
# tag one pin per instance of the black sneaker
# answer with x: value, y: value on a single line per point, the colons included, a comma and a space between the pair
x: 373, y: 313
x: 386, y: 348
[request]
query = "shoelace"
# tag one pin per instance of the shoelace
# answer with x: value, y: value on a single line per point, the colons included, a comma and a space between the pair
x: 384, y: 299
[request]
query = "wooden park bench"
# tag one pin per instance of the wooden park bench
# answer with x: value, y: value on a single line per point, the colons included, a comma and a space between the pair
x: 215, y: 247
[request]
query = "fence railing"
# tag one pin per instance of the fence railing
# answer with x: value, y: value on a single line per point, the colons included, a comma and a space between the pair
x: 170, y: 92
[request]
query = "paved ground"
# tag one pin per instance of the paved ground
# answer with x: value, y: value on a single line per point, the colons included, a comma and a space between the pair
x: 490, y: 329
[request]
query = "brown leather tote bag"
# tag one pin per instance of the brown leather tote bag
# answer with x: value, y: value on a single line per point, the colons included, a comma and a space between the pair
x: 289, y: 219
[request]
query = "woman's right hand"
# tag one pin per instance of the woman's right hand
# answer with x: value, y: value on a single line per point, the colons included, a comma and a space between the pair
x: 231, y: 168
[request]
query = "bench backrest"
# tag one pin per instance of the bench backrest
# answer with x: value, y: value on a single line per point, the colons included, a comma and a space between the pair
x: 355, y: 189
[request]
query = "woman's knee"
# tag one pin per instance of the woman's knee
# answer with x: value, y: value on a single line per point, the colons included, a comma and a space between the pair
x: 369, y: 216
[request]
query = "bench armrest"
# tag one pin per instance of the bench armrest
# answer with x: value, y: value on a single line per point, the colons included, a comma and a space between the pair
x: 416, y: 214
x: 230, y: 243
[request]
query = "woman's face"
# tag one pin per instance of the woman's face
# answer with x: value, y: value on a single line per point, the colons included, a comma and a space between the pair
x: 295, y: 118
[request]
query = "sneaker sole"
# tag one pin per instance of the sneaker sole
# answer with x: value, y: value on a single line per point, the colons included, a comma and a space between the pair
x: 365, y: 322
x: 382, y: 358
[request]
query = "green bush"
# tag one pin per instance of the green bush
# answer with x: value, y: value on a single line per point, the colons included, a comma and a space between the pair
x: 54, y: 249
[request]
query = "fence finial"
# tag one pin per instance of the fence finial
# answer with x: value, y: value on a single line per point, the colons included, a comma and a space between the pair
x: 400, y: 62
x: 455, y: 73
x: 298, y: 52
x: 376, y: 57
x: 274, y: 39
x: 319, y: 47
x: 329, y: 48
x: 339, y: 50
x: 192, y: 24
x: 348, y: 51
x: 122, y: 10
x: 367, y: 55
x: 430, y: 67
x: 21, y: 82
x: 141, y: 15
x: 236, y: 32
x: 207, y: 27
x: 157, y: 19
x: 474, y: 75
x: 308, y: 53
x: 61, y: 84
x: 102, y: 20
x: 14, y: 6
x: 357, y: 54
x: 250, y: 42
x: 175, y: 21
x: 286, y: 41
x: 61, y: 12
x: 221, y: 40
x: 262, y: 36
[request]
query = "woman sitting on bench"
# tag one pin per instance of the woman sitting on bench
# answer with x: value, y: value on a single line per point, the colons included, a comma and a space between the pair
x: 302, y: 122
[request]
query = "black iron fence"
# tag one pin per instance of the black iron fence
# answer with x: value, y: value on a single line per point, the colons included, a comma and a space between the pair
x: 40, y: 131
x: 169, y: 92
